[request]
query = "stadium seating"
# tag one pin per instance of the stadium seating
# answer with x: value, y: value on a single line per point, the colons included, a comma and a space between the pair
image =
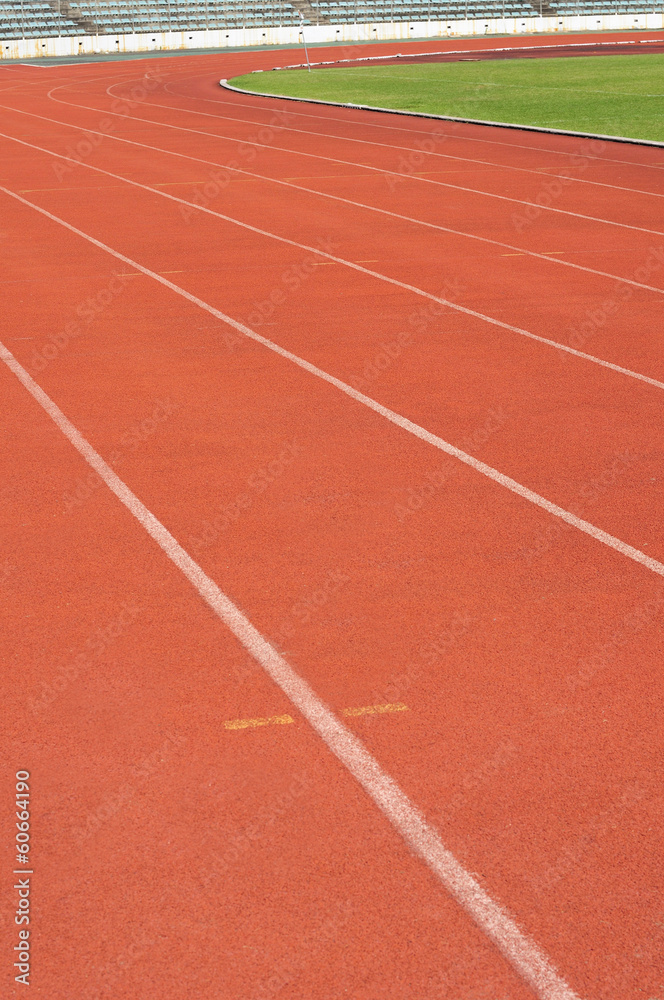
x: 48, y: 18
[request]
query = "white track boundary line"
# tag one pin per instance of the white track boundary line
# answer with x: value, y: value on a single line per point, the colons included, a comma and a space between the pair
x: 346, y: 263
x: 325, y: 194
x: 526, y: 958
x: 395, y: 418
x: 446, y: 118
x: 385, y: 145
x: 393, y: 128
x: 352, y: 163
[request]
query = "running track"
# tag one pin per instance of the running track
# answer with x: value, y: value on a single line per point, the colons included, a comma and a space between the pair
x: 436, y: 482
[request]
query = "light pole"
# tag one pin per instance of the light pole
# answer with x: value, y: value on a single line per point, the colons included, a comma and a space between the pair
x: 304, y: 41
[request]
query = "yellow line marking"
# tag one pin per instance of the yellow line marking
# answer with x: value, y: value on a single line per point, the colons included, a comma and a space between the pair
x: 375, y: 709
x: 275, y: 720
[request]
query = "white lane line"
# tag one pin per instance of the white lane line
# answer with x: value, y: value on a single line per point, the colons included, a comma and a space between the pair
x: 350, y: 264
x: 520, y: 951
x: 395, y: 418
x: 331, y: 197
x: 516, y: 126
x: 369, y: 142
x: 352, y: 163
x: 399, y: 128
x: 394, y: 128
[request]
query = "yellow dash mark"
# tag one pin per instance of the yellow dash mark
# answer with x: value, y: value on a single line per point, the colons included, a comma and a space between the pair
x: 376, y: 709
x: 275, y: 720
x: 549, y: 252
x: 512, y: 255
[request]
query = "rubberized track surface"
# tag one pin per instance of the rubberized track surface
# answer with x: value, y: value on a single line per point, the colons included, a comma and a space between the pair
x: 507, y: 51
x: 435, y: 483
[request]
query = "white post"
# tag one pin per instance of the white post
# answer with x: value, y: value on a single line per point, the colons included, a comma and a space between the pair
x: 304, y: 41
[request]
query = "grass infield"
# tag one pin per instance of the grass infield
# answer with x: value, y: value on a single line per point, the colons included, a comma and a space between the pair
x: 612, y: 95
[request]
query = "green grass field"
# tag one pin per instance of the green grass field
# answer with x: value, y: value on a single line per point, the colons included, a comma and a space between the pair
x: 612, y: 95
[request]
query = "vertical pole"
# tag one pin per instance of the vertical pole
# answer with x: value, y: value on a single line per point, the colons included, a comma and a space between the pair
x: 304, y: 41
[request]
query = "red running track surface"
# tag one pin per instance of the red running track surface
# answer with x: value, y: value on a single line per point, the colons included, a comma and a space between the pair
x: 497, y: 291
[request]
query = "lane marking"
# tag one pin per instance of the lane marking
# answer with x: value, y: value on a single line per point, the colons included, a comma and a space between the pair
x: 366, y: 121
x: 527, y: 959
x: 395, y: 418
x: 375, y: 709
x: 633, y: 140
x: 275, y: 720
x: 321, y: 194
x: 352, y: 163
x: 337, y: 260
x: 367, y: 142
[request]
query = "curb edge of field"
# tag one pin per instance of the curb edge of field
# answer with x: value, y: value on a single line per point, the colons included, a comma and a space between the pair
x: 446, y: 118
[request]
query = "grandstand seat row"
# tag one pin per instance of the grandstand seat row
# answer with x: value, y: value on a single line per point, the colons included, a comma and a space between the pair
x: 32, y: 18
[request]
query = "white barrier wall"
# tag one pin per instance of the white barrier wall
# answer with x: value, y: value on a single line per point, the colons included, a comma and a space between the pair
x: 384, y: 31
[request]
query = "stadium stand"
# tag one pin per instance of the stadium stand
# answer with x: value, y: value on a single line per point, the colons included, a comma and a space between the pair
x: 52, y: 18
